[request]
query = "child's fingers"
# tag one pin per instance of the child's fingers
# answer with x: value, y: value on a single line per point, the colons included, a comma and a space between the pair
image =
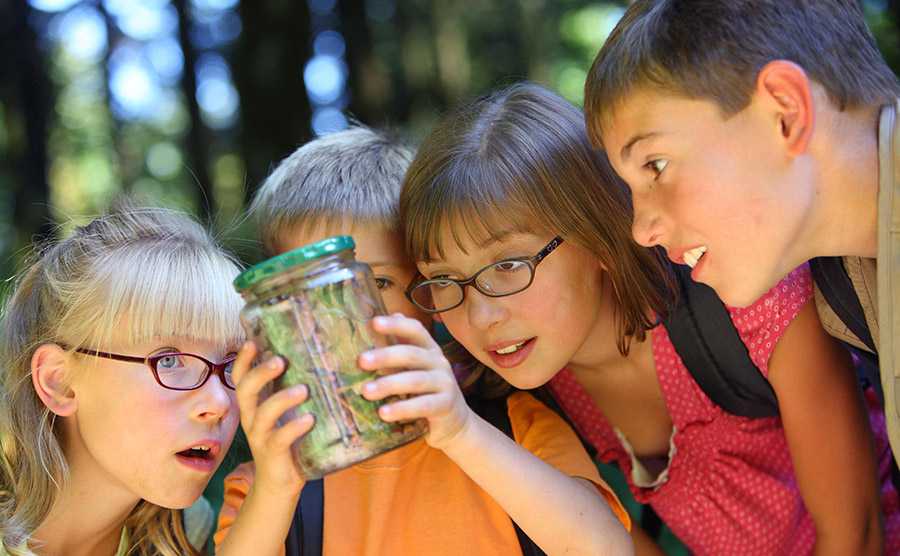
x: 286, y: 435
x: 404, y: 328
x: 401, y: 356
x: 420, y: 406
x: 252, y: 383
x: 407, y: 382
x: 243, y: 361
x: 268, y: 412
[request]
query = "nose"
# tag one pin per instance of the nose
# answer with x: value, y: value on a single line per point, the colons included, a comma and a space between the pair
x: 213, y: 401
x: 647, y: 225
x: 484, y: 311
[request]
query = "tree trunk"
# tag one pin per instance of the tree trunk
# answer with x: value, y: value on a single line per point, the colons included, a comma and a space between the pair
x: 197, y: 140
x: 31, y: 191
x: 270, y: 54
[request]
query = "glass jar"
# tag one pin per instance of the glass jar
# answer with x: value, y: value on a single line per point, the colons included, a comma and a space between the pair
x: 312, y: 307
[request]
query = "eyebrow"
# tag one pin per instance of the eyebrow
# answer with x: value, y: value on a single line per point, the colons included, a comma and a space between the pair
x: 626, y: 150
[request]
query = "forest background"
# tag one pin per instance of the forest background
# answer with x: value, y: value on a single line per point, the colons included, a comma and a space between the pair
x: 190, y: 103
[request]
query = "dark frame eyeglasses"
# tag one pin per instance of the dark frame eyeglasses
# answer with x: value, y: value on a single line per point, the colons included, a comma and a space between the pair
x: 222, y: 370
x: 424, y: 286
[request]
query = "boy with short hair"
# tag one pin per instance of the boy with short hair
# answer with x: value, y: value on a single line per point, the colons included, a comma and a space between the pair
x: 414, y: 499
x: 756, y: 135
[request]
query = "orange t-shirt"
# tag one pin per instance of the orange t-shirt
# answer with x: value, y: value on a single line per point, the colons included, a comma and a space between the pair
x: 415, y: 500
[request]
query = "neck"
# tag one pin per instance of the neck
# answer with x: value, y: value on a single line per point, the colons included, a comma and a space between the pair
x: 600, y: 350
x: 846, y: 220
x: 88, y: 514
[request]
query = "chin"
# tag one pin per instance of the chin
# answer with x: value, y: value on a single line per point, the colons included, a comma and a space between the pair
x: 177, y: 498
x: 526, y: 382
x: 176, y: 502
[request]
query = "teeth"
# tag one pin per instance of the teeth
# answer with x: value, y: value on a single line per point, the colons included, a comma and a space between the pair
x: 693, y: 256
x: 510, y: 349
x: 204, y: 448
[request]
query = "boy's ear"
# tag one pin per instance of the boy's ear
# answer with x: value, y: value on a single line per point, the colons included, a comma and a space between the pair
x: 49, y: 375
x: 789, y: 90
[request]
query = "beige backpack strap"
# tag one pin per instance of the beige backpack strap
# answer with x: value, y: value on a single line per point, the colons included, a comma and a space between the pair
x: 889, y: 268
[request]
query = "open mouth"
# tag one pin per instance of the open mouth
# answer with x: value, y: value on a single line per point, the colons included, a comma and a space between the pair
x: 512, y: 349
x: 693, y: 256
x: 513, y: 354
x: 198, y: 453
x: 202, y: 456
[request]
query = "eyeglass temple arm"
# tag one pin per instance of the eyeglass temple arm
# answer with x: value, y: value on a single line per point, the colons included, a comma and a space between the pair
x: 542, y: 254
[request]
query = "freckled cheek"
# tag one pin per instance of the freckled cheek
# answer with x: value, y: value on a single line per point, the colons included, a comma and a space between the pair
x: 457, y: 324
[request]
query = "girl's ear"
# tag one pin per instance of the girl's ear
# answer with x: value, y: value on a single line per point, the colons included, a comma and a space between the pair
x: 49, y: 374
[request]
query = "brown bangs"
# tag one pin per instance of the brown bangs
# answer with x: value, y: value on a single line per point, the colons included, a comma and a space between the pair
x: 473, y: 200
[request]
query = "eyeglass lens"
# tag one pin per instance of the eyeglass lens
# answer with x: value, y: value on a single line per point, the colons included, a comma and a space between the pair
x: 180, y: 370
x: 498, y: 279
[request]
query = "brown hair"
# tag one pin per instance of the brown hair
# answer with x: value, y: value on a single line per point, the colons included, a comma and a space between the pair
x: 520, y: 157
x: 714, y: 49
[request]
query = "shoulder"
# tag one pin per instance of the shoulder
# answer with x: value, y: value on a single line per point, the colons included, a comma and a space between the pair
x: 538, y: 428
x: 237, y: 485
x: 242, y: 474
x: 762, y: 324
x: 525, y: 410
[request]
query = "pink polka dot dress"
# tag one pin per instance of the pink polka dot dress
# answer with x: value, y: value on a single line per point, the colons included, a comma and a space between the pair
x: 729, y: 487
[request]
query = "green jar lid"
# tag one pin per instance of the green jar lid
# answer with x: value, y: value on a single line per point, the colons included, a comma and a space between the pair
x: 301, y: 255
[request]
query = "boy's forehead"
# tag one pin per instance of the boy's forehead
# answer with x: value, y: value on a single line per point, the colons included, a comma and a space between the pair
x: 637, y: 109
x: 649, y: 113
x: 376, y: 243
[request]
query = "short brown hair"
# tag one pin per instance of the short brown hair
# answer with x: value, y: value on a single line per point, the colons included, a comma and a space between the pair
x: 714, y: 49
x: 352, y: 174
x: 519, y: 160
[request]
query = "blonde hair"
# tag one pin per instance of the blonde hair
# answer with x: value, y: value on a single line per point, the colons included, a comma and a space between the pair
x: 352, y: 175
x: 133, y: 274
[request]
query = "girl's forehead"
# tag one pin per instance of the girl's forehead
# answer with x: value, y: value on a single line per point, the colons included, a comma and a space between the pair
x: 465, y: 247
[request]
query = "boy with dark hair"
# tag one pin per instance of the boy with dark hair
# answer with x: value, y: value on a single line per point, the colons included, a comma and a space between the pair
x: 756, y: 135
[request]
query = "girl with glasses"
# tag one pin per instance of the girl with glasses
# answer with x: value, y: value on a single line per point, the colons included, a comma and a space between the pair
x: 116, y: 398
x: 521, y: 232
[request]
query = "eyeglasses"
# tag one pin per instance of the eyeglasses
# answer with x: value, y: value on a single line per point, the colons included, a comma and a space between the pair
x: 177, y: 371
x: 497, y: 279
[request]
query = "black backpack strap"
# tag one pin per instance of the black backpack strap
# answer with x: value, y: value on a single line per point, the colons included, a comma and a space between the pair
x: 834, y: 283
x: 704, y: 335
x: 495, y: 412
x: 305, y: 535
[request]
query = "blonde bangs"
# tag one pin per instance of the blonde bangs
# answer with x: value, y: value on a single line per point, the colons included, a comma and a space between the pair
x: 179, y: 291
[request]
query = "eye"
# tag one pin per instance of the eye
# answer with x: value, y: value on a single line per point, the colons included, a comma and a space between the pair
x: 657, y: 166
x: 383, y: 283
x: 510, y: 266
x: 169, y: 362
x: 440, y: 282
x: 229, y: 363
